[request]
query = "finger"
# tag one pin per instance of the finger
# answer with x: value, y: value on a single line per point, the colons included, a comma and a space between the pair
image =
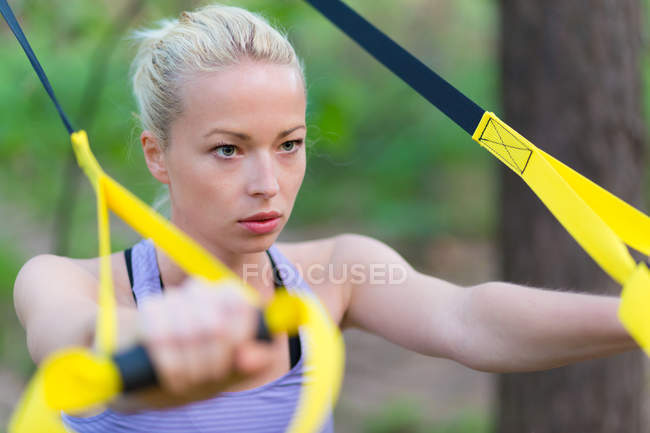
x: 229, y: 304
x: 240, y: 316
x: 215, y: 349
x: 155, y: 330
x: 191, y: 337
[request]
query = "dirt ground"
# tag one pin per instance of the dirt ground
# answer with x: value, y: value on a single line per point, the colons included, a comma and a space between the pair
x: 379, y: 373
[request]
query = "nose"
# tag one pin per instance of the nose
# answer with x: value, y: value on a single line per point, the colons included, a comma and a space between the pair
x: 263, y: 180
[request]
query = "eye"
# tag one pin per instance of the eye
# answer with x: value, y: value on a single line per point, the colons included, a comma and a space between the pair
x: 289, y: 146
x: 226, y: 150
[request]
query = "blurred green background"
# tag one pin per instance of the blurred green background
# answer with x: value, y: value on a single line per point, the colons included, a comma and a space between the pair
x: 382, y: 161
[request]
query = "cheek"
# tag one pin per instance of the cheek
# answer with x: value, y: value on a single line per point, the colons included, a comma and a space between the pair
x: 199, y: 183
x: 303, y: 168
x: 296, y: 175
x: 223, y: 187
x: 214, y: 185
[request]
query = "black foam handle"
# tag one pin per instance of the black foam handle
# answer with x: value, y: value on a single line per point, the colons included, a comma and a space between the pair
x: 136, y: 368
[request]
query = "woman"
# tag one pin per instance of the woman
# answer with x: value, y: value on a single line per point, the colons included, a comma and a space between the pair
x: 222, y: 102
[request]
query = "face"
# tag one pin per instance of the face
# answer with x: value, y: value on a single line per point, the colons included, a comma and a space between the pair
x: 237, y: 150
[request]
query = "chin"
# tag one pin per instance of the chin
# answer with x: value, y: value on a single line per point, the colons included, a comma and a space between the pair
x: 256, y: 243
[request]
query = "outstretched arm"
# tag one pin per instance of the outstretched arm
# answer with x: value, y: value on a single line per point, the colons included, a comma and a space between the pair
x: 495, y: 326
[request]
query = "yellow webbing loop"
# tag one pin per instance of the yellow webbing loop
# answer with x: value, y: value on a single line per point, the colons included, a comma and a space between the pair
x: 599, y: 221
x: 323, y: 369
x: 106, y: 326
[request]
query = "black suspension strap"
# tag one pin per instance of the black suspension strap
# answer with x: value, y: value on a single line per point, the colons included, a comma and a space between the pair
x: 9, y: 16
x: 458, y: 107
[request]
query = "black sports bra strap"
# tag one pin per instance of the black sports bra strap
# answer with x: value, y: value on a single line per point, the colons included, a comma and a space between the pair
x: 277, y: 279
x: 129, y: 265
x: 295, y: 349
x: 129, y: 270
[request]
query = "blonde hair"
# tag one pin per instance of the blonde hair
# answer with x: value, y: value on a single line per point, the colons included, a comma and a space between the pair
x: 208, y: 39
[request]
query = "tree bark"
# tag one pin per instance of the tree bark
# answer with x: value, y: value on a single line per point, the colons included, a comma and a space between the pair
x: 572, y: 85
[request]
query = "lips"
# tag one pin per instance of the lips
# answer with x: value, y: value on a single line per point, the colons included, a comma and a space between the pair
x: 262, y: 216
x: 262, y: 222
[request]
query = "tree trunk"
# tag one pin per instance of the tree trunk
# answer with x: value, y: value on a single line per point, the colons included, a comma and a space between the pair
x: 572, y: 85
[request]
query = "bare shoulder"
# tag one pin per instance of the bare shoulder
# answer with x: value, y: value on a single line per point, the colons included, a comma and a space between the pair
x: 358, y: 249
x: 47, y: 276
x: 328, y: 265
x: 46, y: 267
x: 43, y: 280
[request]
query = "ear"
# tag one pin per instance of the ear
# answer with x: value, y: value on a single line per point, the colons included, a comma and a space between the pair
x: 154, y: 156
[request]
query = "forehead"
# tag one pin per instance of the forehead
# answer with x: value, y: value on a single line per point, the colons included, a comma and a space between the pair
x: 244, y: 96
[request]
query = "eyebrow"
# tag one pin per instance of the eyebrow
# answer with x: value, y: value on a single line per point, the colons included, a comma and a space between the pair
x: 247, y: 137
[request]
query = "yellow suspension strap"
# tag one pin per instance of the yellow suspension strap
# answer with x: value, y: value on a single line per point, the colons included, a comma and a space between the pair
x: 600, y: 222
x: 76, y: 379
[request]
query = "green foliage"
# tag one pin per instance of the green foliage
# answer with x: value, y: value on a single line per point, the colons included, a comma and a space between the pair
x: 13, y: 350
x: 403, y: 416
x: 9, y: 266
x: 397, y: 417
